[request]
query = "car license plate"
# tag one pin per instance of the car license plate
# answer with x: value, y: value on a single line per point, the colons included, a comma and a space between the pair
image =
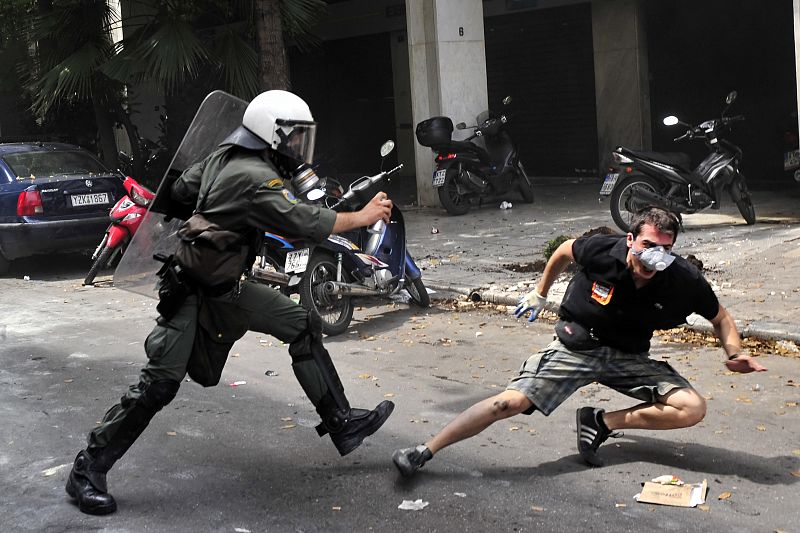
x: 438, y: 177
x: 608, y: 183
x: 79, y: 200
x: 296, y: 261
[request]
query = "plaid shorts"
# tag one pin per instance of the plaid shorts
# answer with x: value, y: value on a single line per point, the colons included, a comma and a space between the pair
x: 550, y: 376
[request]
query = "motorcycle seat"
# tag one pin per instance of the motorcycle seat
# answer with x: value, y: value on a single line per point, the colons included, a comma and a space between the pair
x: 675, y: 159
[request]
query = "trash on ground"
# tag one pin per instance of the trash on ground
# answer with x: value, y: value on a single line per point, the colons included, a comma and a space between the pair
x: 237, y: 383
x: 684, y: 495
x: 270, y: 373
x: 415, y: 505
x: 460, y: 494
x: 434, y: 230
x: 55, y: 470
x: 241, y: 530
x: 506, y: 205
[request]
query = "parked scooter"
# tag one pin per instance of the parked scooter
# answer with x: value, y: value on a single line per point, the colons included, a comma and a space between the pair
x: 370, y: 261
x: 467, y: 173
x: 652, y: 178
x: 126, y: 215
x: 791, y: 154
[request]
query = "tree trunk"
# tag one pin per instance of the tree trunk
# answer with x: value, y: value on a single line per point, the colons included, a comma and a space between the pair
x: 273, y: 62
x: 105, y: 126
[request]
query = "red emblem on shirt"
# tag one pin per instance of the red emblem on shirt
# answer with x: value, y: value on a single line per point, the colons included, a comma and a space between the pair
x: 602, y: 293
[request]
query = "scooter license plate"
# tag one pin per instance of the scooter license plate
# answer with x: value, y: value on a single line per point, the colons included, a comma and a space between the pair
x: 438, y: 177
x: 296, y: 261
x: 608, y: 183
x: 791, y: 159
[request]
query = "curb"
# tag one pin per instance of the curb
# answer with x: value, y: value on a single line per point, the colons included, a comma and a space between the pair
x: 764, y: 331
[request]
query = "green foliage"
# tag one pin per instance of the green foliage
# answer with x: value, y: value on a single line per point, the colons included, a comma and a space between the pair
x: 551, y: 246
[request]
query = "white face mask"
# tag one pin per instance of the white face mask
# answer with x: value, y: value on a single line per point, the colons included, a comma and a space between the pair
x: 655, y: 258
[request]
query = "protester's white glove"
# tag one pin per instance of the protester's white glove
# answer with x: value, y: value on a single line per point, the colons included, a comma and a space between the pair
x: 533, y: 302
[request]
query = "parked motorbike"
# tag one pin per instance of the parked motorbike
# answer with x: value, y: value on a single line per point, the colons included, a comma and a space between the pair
x: 642, y: 178
x: 126, y: 215
x: 467, y: 173
x: 791, y: 154
x: 370, y: 261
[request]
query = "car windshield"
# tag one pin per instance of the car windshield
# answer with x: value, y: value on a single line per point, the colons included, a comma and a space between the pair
x: 43, y: 164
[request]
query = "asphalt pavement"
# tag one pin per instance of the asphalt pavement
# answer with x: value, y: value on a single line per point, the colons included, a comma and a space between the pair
x: 244, y: 457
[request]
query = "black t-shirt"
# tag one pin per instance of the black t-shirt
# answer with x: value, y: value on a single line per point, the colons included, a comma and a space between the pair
x: 603, y: 298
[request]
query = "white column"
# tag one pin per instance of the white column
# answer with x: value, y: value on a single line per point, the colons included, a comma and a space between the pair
x: 447, y: 61
x: 622, y: 91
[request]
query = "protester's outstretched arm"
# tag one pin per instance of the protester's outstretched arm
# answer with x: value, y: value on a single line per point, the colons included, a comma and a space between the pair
x: 726, y: 332
x: 535, y: 300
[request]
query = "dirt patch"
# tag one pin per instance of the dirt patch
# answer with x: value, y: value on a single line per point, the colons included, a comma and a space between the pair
x: 535, y: 266
x: 754, y: 346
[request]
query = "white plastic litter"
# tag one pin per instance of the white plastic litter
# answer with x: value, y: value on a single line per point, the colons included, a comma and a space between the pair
x: 506, y: 205
x: 415, y: 505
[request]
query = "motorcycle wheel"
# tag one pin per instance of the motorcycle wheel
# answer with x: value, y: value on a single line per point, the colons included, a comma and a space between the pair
x: 741, y: 196
x: 623, y: 206
x: 99, y: 263
x: 335, y: 313
x: 453, y: 202
x: 524, y: 187
x: 419, y: 295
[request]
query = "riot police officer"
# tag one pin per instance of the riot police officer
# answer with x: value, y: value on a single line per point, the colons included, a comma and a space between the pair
x: 238, y: 188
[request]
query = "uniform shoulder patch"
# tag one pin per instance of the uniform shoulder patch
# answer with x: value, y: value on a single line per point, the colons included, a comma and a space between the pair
x: 289, y: 197
x: 275, y: 183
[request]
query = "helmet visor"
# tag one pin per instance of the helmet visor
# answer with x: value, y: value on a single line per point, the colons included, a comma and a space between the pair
x: 296, y: 138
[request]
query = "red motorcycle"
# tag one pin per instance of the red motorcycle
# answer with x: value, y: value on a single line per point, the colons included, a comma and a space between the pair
x: 126, y: 216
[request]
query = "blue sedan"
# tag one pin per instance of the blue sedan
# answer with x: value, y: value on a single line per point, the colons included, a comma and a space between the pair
x: 54, y: 197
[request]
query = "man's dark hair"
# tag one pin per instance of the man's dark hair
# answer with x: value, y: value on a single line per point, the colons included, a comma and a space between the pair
x: 658, y: 217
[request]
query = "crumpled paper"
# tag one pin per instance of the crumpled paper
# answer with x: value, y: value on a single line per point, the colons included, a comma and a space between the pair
x: 415, y: 505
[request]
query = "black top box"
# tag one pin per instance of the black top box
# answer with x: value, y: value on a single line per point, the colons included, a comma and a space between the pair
x: 435, y: 131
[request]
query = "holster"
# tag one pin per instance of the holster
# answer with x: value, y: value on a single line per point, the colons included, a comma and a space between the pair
x: 173, y: 287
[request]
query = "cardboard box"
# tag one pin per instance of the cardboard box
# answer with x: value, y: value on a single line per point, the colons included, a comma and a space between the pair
x: 688, y: 495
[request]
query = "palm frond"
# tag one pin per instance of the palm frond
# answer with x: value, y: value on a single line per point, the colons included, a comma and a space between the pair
x: 71, y: 79
x: 238, y: 62
x: 299, y: 18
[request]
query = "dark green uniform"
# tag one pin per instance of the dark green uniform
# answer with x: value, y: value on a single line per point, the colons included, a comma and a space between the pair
x: 247, y: 194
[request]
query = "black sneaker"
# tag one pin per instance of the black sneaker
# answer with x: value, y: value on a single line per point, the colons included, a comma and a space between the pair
x: 592, y: 432
x: 409, y: 460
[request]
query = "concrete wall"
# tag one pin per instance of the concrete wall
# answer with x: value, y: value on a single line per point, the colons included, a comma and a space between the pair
x: 621, y: 70
x: 447, y: 61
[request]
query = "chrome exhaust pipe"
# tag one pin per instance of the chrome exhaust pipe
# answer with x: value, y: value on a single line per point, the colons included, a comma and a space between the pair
x: 337, y: 288
x: 270, y: 276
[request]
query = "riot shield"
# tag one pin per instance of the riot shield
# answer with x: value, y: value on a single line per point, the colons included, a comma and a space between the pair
x: 218, y: 115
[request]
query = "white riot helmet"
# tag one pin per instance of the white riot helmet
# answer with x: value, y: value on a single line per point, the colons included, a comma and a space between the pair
x: 279, y: 120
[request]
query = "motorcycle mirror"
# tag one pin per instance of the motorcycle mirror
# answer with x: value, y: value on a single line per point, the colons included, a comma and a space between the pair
x: 315, y: 194
x: 461, y: 126
x: 506, y: 100
x: 387, y: 148
x: 671, y: 120
x: 731, y: 98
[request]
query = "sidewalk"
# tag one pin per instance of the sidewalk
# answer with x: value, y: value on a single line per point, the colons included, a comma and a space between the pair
x: 496, y: 255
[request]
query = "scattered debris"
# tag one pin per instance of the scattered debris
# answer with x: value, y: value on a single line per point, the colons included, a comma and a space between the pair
x: 460, y: 494
x: 415, y: 505
x: 684, y: 495
x: 434, y: 230
x: 237, y: 383
x: 270, y: 373
x: 506, y: 205
x: 55, y: 470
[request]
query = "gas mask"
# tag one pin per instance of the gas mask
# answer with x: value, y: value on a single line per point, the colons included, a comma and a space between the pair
x: 655, y: 258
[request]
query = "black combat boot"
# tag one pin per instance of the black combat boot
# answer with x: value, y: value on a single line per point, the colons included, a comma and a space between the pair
x: 88, y: 486
x: 349, y: 427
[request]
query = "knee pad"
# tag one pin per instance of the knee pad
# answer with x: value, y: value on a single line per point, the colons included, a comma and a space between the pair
x: 158, y: 394
x: 300, y: 348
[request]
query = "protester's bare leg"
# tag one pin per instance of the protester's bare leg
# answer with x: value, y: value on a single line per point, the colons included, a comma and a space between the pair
x: 478, y: 417
x: 680, y: 408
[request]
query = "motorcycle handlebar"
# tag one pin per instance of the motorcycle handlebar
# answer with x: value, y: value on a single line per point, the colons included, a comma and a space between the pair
x: 363, y: 184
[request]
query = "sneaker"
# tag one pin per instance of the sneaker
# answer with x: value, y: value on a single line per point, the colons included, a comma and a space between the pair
x: 409, y: 460
x: 592, y: 432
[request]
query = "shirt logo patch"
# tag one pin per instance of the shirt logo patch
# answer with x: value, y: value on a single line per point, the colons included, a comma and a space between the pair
x: 289, y: 197
x: 602, y: 293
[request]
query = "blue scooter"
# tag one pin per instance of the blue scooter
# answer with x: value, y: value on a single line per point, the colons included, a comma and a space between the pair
x: 370, y: 261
